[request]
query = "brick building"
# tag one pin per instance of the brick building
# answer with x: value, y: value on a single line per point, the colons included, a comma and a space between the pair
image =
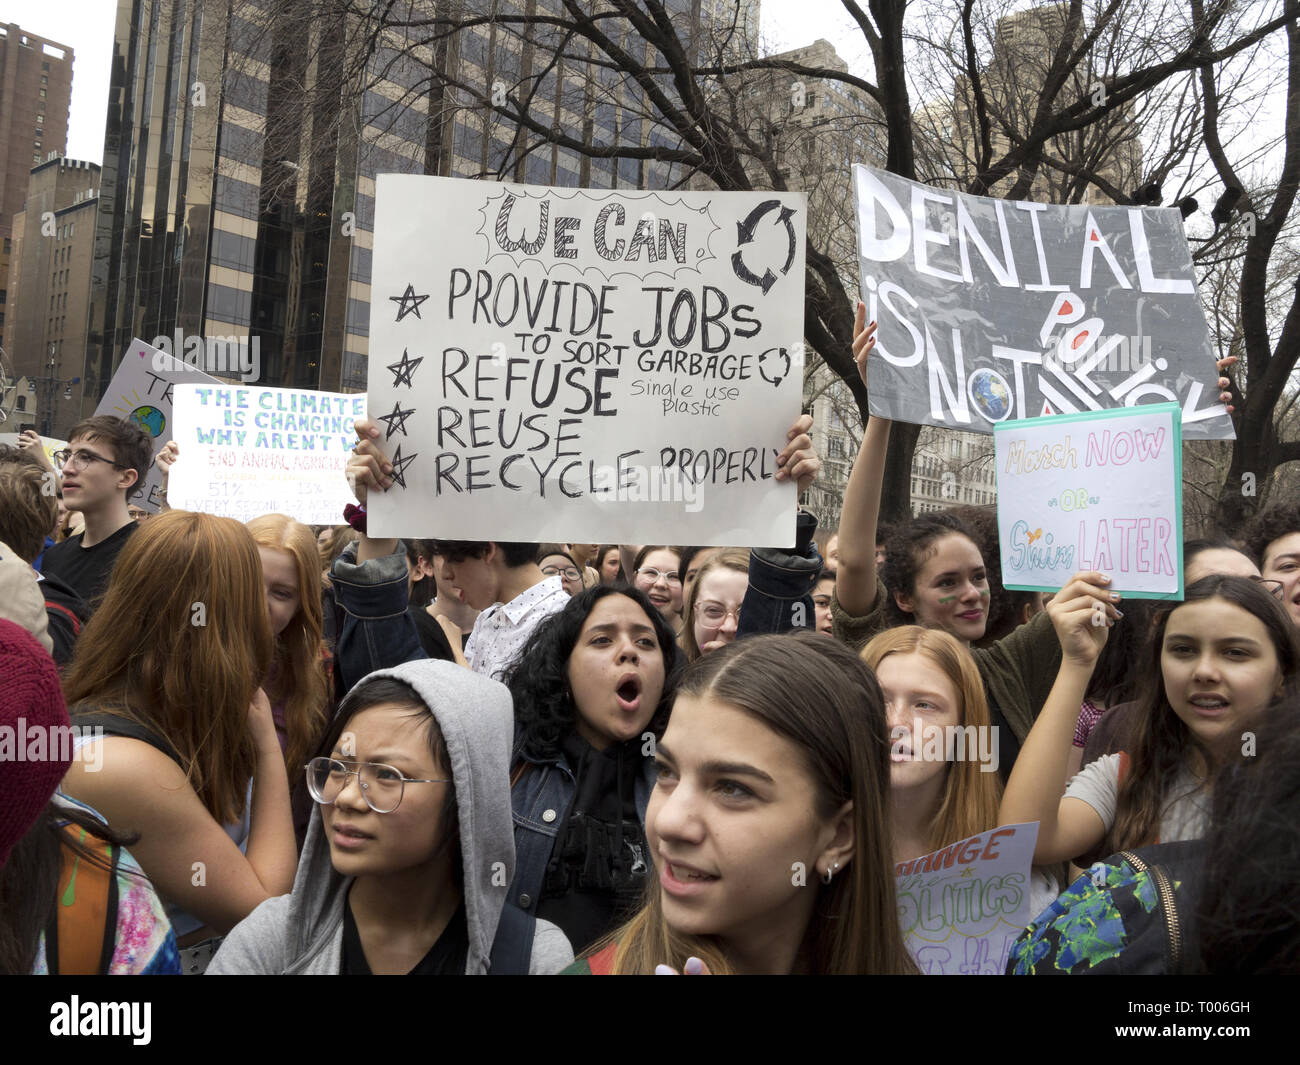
x: 35, y: 96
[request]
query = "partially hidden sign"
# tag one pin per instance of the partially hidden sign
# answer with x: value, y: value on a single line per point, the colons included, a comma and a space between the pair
x: 992, y: 310
x: 248, y: 450
x: 604, y: 365
x: 963, y: 906
x: 141, y: 392
x: 1093, y: 492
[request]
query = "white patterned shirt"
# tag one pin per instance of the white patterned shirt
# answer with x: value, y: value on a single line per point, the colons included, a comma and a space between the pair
x: 502, y: 629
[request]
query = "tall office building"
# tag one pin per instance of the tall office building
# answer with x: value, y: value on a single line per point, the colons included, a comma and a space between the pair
x: 35, y: 95
x: 239, y: 163
x: 49, y: 286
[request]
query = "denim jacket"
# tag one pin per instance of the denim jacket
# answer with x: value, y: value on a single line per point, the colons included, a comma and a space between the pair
x: 374, y: 629
x: 540, y: 800
x: 781, y: 583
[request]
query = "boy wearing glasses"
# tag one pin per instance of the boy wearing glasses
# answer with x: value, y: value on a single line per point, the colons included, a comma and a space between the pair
x: 105, y: 457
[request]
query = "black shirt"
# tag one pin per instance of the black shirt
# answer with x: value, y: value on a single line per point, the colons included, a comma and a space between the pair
x: 596, y: 877
x: 86, y: 570
x: 445, y: 958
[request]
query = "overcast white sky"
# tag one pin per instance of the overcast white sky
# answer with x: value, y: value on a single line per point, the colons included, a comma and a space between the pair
x: 87, y: 26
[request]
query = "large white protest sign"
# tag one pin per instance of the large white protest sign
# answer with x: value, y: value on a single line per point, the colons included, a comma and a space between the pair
x: 990, y: 310
x: 249, y: 450
x: 561, y: 364
x: 141, y: 392
x: 1093, y: 492
x: 963, y: 906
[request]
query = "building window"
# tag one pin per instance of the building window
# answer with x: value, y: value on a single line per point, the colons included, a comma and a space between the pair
x: 46, y: 67
x: 42, y: 94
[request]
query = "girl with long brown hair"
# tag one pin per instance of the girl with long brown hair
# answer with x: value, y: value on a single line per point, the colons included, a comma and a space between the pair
x: 932, y: 689
x: 769, y: 824
x: 298, y: 683
x: 1216, y: 662
x: 169, y: 668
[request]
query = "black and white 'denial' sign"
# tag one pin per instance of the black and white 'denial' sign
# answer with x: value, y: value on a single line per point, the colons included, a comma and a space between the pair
x: 990, y: 310
x: 571, y: 364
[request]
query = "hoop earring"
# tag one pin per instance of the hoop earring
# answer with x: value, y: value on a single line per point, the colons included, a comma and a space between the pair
x: 829, y: 875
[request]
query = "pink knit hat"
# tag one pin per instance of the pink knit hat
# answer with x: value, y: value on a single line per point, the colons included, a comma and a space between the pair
x: 31, y: 705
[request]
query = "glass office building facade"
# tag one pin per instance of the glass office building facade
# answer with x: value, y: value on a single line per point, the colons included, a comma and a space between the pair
x: 238, y: 182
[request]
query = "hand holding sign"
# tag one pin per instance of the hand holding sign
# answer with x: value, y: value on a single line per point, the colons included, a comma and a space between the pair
x: 1082, y: 613
x: 368, y: 465
x: 864, y: 339
x: 799, y: 460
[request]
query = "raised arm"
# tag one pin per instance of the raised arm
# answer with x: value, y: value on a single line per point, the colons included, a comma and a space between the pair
x: 855, y: 579
x: 191, y: 860
x: 369, y: 468
x: 1082, y: 613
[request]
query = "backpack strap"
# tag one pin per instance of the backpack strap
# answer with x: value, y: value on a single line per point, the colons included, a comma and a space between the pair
x: 82, y: 933
x: 113, y: 725
x: 512, y: 949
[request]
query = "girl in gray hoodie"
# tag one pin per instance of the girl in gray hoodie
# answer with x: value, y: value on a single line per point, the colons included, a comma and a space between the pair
x: 410, y: 847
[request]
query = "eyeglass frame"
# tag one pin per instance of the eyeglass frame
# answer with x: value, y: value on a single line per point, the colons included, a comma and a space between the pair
x: 66, y: 458
x: 576, y: 575
x: 670, y: 577
x: 699, y: 610
x: 361, y: 786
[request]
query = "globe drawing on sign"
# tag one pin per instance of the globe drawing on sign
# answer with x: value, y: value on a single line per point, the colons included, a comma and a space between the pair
x: 150, y: 419
x: 989, y: 392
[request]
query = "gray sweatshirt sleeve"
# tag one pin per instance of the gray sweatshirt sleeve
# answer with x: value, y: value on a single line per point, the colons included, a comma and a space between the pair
x: 551, y: 951
x: 255, y: 946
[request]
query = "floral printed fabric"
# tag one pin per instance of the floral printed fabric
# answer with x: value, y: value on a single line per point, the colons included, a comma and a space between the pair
x: 1090, y: 924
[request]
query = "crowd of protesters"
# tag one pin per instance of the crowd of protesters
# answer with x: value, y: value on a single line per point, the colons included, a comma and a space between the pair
x: 623, y: 758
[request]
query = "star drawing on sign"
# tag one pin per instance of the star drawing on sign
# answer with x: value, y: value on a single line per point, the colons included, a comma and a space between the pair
x: 403, y: 370
x: 396, y: 421
x: 400, y: 462
x: 408, y: 303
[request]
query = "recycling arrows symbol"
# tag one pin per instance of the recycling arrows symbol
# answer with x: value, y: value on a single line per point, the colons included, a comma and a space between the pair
x: 745, y: 235
x: 767, y: 363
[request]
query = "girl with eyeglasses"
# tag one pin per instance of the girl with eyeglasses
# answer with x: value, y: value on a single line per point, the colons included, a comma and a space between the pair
x: 713, y: 605
x: 656, y: 571
x: 410, y: 846
x: 555, y: 561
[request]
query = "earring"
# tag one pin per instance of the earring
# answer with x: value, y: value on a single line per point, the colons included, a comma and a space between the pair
x: 829, y: 875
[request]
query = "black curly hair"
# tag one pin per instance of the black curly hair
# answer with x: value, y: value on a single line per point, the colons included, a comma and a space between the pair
x: 538, y: 678
x: 1273, y: 524
x: 906, y: 552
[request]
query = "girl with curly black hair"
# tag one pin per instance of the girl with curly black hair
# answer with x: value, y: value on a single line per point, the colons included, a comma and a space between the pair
x: 592, y: 692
